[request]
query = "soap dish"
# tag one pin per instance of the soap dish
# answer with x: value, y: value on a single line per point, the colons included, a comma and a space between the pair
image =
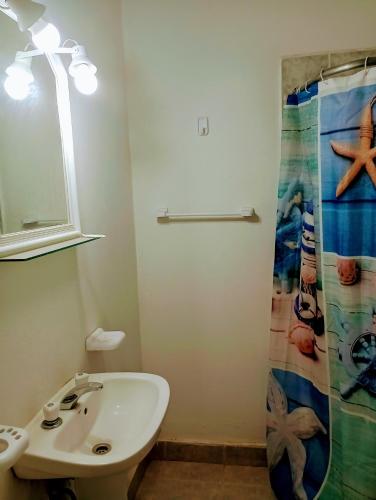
x: 104, y: 341
x: 13, y: 443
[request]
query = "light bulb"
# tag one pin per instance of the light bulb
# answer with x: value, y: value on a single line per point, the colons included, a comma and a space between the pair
x: 45, y: 36
x: 17, y: 88
x: 83, y: 71
x: 20, y: 72
x: 19, y: 78
x: 85, y: 80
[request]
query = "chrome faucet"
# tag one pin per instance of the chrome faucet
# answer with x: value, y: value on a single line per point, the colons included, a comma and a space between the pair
x: 70, y: 399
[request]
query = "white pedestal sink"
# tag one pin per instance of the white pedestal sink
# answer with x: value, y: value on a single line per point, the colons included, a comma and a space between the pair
x: 121, y: 422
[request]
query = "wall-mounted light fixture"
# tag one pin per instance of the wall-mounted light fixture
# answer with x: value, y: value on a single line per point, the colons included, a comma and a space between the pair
x: 83, y: 71
x: 46, y: 38
x: 29, y: 14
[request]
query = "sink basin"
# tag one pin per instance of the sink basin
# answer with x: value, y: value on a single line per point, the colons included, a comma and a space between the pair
x: 108, y: 432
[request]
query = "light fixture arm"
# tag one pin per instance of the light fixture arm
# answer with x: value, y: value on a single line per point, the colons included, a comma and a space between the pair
x: 28, y: 15
x: 9, y: 12
x: 38, y: 52
x: 28, y: 12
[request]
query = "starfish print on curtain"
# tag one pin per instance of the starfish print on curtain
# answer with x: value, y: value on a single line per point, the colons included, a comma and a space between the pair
x: 363, y: 156
x: 286, y: 432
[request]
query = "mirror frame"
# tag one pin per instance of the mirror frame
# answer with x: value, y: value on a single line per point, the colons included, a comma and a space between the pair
x: 15, y: 243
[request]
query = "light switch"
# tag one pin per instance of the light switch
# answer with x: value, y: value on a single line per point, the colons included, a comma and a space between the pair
x: 203, y: 125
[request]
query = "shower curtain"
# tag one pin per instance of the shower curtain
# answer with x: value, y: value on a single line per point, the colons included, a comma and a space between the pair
x: 321, y: 400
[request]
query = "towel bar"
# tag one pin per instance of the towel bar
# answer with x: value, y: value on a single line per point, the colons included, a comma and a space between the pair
x: 246, y: 212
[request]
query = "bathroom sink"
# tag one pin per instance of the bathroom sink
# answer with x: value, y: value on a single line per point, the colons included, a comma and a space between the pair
x: 108, y: 431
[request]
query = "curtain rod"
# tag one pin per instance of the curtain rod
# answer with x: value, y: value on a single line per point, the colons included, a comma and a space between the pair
x: 336, y: 70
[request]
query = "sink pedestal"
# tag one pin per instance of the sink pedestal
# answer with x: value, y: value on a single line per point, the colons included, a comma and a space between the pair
x: 107, y: 487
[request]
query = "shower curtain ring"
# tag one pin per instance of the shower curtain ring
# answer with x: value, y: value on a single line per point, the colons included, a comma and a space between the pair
x: 305, y: 87
x: 321, y: 76
x: 365, y: 65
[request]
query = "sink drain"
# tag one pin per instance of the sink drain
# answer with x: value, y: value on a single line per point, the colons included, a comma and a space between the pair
x: 101, y: 448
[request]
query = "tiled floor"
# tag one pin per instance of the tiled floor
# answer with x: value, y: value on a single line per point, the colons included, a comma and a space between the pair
x: 165, y: 480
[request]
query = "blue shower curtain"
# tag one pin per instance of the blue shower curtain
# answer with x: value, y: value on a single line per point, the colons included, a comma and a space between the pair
x: 321, y: 401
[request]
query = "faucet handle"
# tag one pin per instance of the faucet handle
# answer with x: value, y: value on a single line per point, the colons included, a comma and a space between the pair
x: 51, y: 411
x: 81, y: 378
x: 51, y: 416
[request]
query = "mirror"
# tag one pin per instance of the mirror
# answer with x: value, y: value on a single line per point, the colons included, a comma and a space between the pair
x: 38, y: 194
x: 32, y: 178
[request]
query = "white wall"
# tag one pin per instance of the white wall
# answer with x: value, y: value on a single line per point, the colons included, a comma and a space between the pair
x: 205, y: 288
x: 49, y: 305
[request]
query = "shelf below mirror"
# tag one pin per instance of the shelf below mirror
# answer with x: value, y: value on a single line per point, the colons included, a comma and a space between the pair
x: 56, y: 247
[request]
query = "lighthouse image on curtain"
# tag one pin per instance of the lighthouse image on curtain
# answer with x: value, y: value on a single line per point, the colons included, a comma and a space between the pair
x: 297, y: 403
x: 306, y: 307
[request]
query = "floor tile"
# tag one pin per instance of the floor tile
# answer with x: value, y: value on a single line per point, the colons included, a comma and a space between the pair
x: 239, y: 492
x: 247, y: 476
x: 166, y: 480
x: 172, y: 489
x: 185, y: 470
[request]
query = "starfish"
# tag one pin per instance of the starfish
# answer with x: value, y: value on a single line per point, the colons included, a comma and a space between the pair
x: 285, y: 432
x: 363, y: 156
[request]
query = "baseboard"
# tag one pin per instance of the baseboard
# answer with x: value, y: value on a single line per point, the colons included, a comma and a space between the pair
x: 227, y: 454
